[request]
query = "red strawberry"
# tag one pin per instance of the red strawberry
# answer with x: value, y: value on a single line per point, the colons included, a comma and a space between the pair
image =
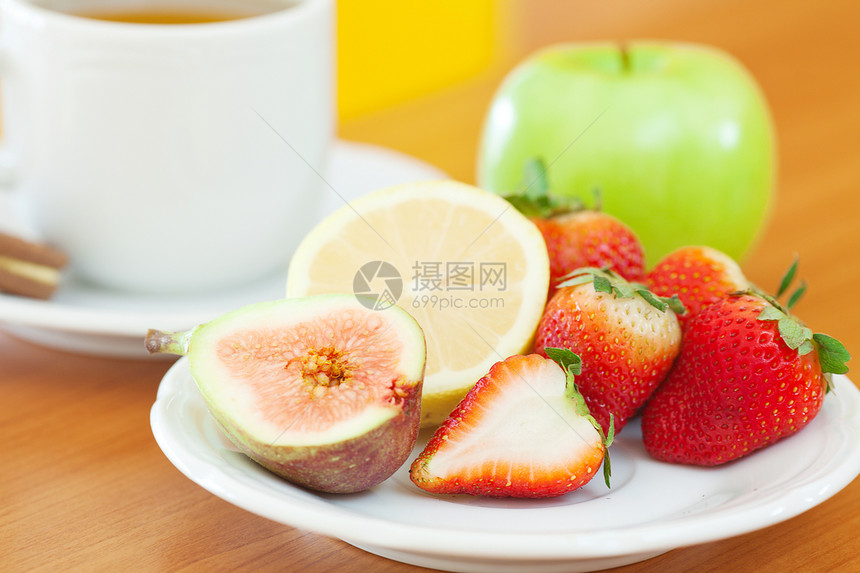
x: 522, y: 431
x: 577, y: 237
x: 590, y: 239
x: 698, y: 275
x: 749, y: 374
x: 627, y: 339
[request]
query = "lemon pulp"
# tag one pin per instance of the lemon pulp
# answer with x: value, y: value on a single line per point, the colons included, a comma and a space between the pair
x: 470, y: 268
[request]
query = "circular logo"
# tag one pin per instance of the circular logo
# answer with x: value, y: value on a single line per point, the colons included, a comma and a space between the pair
x: 377, y: 285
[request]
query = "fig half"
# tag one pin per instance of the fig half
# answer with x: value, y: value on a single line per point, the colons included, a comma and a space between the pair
x: 322, y: 391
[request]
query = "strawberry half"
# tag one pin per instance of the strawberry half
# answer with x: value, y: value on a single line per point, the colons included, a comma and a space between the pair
x: 575, y: 236
x: 627, y: 339
x: 522, y: 431
x: 749, y: 374
x: 698, y: 275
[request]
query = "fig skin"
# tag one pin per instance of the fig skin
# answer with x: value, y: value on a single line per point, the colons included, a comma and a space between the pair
x: 349, y: 466
x: 354, y: 463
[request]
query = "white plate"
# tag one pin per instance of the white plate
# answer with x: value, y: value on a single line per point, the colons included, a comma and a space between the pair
x: 652, y: 507
x: 87, y: 319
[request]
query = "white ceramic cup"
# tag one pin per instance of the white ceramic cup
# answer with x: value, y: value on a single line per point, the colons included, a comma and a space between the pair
x: 168, y: 158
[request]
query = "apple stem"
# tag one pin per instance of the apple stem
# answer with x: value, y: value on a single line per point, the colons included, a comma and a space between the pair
x: 624, y: 52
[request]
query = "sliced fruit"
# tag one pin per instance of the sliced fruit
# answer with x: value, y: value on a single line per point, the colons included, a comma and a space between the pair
x: 472, y: 270
x: 321, y: 390
x: 522, y: 431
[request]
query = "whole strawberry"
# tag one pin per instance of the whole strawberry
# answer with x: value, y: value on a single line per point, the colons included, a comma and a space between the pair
x: 576, y: 236
x: 749, y: 374
x: 698, y: 275
x: 523, y: 430
x: 590, y: 238
x: 626, y: 337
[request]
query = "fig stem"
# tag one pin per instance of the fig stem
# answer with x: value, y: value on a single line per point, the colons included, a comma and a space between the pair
x: 160, y: 342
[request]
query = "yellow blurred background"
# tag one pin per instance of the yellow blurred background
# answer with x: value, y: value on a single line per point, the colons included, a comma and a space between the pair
x: 390, y: 51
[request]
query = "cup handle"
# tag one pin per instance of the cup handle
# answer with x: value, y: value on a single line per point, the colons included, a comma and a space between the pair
x: 7, y: 160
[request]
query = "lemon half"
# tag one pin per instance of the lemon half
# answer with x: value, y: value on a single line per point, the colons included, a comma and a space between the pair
x: 470, y: 268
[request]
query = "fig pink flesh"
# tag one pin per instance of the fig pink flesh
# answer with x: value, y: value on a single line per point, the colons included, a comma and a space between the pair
x: 314, y: 374
x: 322, y: 391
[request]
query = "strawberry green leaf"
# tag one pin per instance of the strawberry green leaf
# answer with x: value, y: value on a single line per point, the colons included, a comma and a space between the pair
x: 571, y: 363
x: 607, y: 441
x: 771, y: 313
x: 602, y: 284
x: 572, y: 392
x: 805, y: 348
x: 661, y: 303
x: 567, y: 359
x: 535, y: 179
x: 610, y: 437
x: 574, y: 279
x: 675, y: 304
x: 607, y: 281
x: 528, y: 207
x: 828, y: 380
x: 623, y: 289
x: 533, y: 197
x: 610, y: 282
x: 607, y: 467
x: 831, y: 353
x: 787, y: 278
x: 793, y: 333
x: 598, y: 199
x: 652, y: 299
x: 796, y: 295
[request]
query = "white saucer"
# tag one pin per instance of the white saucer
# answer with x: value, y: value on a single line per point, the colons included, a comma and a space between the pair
x: 652, y: 507
x: 86, y: 319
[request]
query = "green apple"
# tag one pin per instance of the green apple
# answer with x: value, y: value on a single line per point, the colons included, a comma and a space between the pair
x: 677, y: 137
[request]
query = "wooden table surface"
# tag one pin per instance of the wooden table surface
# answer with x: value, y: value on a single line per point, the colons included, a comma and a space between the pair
x: 83, y: 485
